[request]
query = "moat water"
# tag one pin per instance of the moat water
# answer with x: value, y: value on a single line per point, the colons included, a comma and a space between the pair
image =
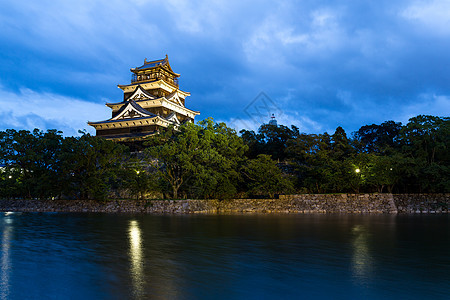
x: 112, y: 256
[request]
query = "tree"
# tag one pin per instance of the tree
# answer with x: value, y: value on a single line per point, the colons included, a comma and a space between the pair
x: 265, y: 178
x: 425, y: 141
x: 310, y: 155
x: 377, y: 138
x: 223, y: 152
x: 90, y: 165
x: 340, y: 145
x: 271, y: 140
x: 139, y: 179
x: 31, y: 160
x: 427, y: 138
x: 174, y: 154
x: 384, y: 171
x: 202, y: 158
x: 254, y: 142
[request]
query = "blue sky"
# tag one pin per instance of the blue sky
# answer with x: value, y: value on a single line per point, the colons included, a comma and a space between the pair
x: 319, y: 64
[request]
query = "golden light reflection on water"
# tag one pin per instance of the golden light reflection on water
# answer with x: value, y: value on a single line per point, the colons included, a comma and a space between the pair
x: 5, y: 261
x: 136, y: 257
x: 362, y: 260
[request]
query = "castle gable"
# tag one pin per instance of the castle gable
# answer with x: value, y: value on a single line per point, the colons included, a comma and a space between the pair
x: 140, y: 94
x: 132, y: 110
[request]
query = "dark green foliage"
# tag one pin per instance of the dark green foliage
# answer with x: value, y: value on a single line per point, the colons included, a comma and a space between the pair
x: 31, y: 163
x: 424, y: 141
x: 46, y: 165
x: 264, y: 178
x: 200, y: 160
x: 377, y: 138
x: 389, y: 157
x: 271, y: 140
x: 340, y: 145
x: 139, y: 178
x: 209, y: 160
x: 90, y: 166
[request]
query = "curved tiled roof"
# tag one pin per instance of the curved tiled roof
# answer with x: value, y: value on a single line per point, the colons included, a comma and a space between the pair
x: 152, y: 64
x: 150, y: 97
x: 140, y: 109
x: 121, y: 120
x: 155, y: 63
x: 136, y: 106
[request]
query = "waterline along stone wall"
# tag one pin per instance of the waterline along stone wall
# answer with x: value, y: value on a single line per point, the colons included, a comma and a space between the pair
x: 304, y: 203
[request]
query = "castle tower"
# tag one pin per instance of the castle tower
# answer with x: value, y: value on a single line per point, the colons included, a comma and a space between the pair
x: 151, y: 101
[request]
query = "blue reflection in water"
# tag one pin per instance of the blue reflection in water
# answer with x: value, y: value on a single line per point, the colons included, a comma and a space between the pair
x: 109, y: 256
x: 5, y: 260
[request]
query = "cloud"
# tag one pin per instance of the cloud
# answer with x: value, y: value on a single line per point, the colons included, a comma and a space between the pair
x: 432, y: 14
x: 325, y: 63
x: 27, y: 109
x: 86, y: 26
x: 196, y: 17
x: 426, y: 104
x: 354, y: 115
x: 302, y: 122
x: 258, y: 113
x: 277, y: 36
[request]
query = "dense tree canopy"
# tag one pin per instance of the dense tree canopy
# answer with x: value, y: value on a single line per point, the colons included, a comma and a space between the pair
x: 210, y: 160
x: 203, y: 160
x: 46, y: 165
x: 377, y: 138
x: 264, y: 177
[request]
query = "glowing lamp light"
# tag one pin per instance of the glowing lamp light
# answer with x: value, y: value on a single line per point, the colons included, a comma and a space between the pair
x: 137, y: 172
x: 9, y: 176
x: 357, y: 170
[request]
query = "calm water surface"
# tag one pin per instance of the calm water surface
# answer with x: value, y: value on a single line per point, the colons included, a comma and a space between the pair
x: 109, y: 256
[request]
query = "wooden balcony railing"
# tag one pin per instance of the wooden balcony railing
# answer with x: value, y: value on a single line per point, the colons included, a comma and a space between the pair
x: 143, y: 78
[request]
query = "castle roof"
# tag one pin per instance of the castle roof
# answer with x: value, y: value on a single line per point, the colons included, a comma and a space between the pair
x: 164, y: 62
x: 131, y: 110
x: 152, y: 64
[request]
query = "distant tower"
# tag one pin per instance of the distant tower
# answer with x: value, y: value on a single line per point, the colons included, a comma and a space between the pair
x: 273, y: 121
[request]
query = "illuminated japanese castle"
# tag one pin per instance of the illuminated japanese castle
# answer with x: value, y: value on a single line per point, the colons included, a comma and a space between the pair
x: 151, y: 102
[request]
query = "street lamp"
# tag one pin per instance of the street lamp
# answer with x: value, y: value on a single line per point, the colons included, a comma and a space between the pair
x: 357, y: 170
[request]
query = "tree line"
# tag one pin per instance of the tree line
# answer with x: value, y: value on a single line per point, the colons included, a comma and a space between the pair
x: 210, y: 160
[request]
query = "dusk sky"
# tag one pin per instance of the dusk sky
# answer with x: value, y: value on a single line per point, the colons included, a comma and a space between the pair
x: 319, y: 64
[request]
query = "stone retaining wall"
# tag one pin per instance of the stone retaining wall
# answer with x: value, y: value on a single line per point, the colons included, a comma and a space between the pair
x: 342, y: 203
x: 305, y: 203
x: 422, y: 203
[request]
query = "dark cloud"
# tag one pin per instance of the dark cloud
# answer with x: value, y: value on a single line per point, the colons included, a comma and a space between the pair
x: 324, y: 63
